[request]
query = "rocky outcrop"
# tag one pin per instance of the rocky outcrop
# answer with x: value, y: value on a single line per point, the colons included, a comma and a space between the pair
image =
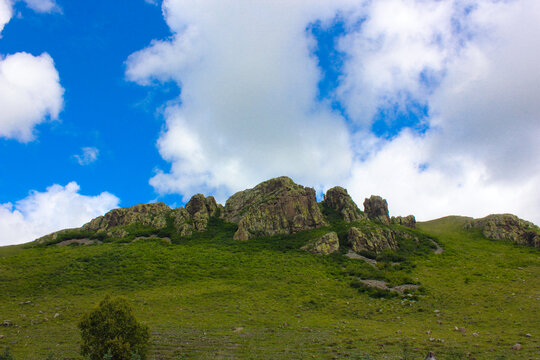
x: 408, y: 221
x: 200, y: 209
x: 376, y: 208
x: 375, y: 239
x: 508, y: 227
x: 338, y: 199
x: 326, y: 244
x: 276, y: 206
x: 152, y: 215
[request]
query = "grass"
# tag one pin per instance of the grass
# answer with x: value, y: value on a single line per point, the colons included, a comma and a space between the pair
x: 208, y: 296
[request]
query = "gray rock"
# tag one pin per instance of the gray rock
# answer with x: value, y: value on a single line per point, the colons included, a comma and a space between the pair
x: 373, y: 239
x: 327, y: 244
x: 507, y: 227
x: 338, y: 199
x: 409, y: 221
x: 276, y: 206
x: 376, y: 208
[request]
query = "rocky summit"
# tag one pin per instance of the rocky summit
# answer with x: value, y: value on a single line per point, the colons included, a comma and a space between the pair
x: 507, y: 227
x: 276, y: 206
x: 408, y: 221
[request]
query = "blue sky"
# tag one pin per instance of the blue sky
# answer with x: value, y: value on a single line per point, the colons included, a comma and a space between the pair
x: 432, y: 104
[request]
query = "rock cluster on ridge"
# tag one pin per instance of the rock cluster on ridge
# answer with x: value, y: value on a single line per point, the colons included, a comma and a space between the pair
x: 338, y: 199
x: 276, y: 206
x: 408, y: 221
x: 508, y: 227
x: 376, y: 208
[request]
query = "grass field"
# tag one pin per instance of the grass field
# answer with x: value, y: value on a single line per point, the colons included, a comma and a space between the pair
x: 209, y: 297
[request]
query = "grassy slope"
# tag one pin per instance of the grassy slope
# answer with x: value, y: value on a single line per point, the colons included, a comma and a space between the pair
x: 211, y: 297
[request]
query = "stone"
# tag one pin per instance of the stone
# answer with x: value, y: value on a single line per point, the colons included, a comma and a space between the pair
x: 277, y: 206
x: 516, y: 346
x: 507, y: 227
x: 338, y: 199
x: 152, y: 215
x: 408, y: 221
x: 376, y: 208
x: 431, y: 356
x: 326, y: 244
x: 201, y: 209
x: 373, y: 239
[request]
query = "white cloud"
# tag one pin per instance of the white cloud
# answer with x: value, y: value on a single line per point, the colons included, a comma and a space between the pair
x: 30, y: 93
x: 88, y: 156
x: 57, y: 208
x: 42, y: 6
x: 248, y: 107
x: 399, y: 173
x: 249, y: 79
x: 6, y: 12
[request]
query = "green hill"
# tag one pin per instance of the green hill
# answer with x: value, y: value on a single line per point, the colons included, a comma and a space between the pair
x: 209, y: 296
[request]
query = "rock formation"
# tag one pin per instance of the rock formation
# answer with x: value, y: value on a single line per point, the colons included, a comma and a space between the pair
x: 508, y: 227
x: 376, y: 208
x: 338, y: 199
x: 276, y: 206
x: 374, y: 239
x: 409, y: 221
x: 326, y: 244
x: 154, y: 215
x: 200, y: 209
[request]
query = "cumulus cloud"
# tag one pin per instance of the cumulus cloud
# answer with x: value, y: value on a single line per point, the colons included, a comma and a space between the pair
x: 30, y: 94
x: 247, y: 110
x: 88, y: 156
x: 41, y: 213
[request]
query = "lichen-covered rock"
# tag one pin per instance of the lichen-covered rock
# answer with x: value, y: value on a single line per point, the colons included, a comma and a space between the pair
x: 200, y: 209
x: 373, y: 239
x: 326, y: 244
x: 338, y: 199
x: 376, y: 208
x: 508, y: 227
x: 409, y: 221
x: 152, y: 215
x: 182, y: 222
x: 276, y: 206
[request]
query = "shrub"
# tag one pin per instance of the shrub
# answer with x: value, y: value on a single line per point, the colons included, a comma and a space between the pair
x: 6, y: 355
x: 111, y: 329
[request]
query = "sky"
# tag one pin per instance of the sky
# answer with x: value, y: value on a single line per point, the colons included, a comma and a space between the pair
x: 431, y: 104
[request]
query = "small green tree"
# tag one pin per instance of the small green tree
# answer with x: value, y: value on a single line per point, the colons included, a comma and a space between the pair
x: 111, y: 328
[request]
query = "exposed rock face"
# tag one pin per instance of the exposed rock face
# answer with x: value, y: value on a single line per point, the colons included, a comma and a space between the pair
x: 327, y: 244
x: 508, y: 227
x: 276, y: 206
x: 154, y: 215
x: 200, y: 209
x: 409, y: 221
x: 338, y: 199
x: 375, y: 239
x: 376, y: 208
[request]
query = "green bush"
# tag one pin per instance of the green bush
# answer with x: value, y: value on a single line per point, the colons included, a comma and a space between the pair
x: 111, y: 329
x: 6, y: 355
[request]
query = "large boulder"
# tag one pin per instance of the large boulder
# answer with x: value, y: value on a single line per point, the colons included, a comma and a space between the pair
x: 276, y: 206
x: 326, y: 244
x: 408, y: 221
x: 376, y: 208
x: 151, y: 215
x: 375, y: 239
x: 508, y: 227
x: 200, y: 210
x: 338, y: 199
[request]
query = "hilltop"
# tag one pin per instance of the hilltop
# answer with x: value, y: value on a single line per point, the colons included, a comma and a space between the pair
x: 275, y: 274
